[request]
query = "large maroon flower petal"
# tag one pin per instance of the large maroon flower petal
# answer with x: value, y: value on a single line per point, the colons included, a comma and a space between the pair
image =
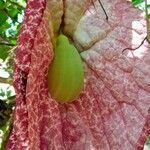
x: 113, y: 109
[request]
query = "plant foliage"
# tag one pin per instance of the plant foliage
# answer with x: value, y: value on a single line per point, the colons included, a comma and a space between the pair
x: 11, y: 17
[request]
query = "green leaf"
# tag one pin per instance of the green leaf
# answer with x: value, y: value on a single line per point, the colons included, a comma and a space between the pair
x: 2, y: 4
x: 8, y: 93
x: 14, y: 41
x: 2, y: 93
x: 137, y: 2
x: 12, y: 11
x: 4, y: 28
x: 4, y: 51
x: 3, y: 17
x: 148, y: 6
x: 6, y: 130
